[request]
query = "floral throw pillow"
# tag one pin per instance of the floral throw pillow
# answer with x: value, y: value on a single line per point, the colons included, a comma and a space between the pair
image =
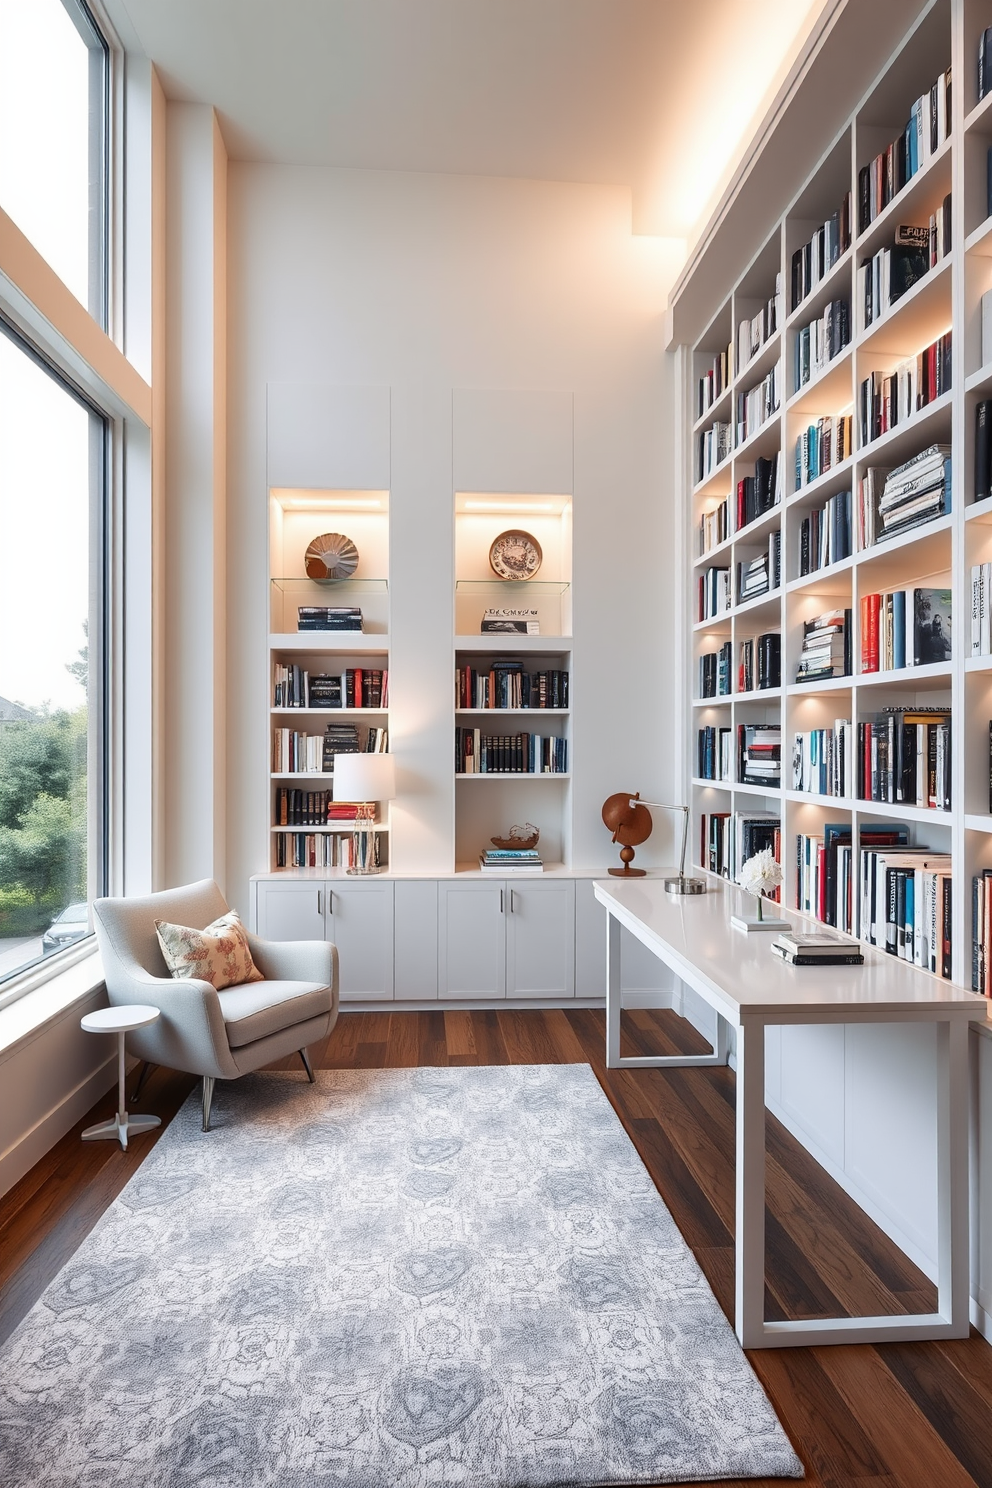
x: 220, y: 954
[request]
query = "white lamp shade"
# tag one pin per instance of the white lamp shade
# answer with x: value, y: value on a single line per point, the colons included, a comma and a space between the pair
x: 364, y: 777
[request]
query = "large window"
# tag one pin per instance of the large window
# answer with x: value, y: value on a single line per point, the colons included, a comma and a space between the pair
x: 52, y: 691
x: 54, y: 89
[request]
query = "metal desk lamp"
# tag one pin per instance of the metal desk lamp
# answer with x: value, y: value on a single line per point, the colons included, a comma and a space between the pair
x: 630, y: 823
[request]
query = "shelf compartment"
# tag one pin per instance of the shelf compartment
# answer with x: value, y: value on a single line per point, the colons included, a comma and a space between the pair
x: 718, y: 412
x: 717, y: 483
x: 932, y: 542
x: 978, y: 823
x: 823, y: 684
x: 549, y: 597
x: 832, y: 286
x: 760, y: 364
x: 920, y: 195
x: 979, y: 511
x: 895, y: 443
x: 831, y: 385
x: 811, y: 582
x: 915, y: 320
x: 765, y: 440
x: 815, y: 492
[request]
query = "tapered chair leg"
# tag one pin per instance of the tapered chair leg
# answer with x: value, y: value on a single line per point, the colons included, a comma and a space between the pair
x: 146, y: 1070
x: 208, y: 1096
x: 308, y: 1066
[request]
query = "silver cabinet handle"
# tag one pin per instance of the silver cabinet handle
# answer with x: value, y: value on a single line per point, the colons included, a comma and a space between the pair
x: 512, y: 905
x: 501, y: 909
x: 320, y: 902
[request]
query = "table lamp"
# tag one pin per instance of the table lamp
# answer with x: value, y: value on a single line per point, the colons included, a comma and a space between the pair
x: 365, y: 779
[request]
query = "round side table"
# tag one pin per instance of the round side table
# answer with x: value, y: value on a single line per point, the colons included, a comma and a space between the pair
x: 119, y: 1020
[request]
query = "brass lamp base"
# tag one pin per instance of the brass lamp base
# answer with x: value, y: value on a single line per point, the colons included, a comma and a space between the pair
x: 682, y: 885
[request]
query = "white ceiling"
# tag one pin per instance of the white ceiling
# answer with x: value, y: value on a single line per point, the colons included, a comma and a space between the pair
x: 654, y: 95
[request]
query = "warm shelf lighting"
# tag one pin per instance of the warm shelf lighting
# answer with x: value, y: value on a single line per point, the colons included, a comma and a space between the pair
x: 512, y: 506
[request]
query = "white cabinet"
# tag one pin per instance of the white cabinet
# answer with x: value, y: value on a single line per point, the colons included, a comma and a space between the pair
x: 357, y: 914
x: 471, y: 940
x: 360, y: 922
x: 540, y: 938
x: 290, y: 909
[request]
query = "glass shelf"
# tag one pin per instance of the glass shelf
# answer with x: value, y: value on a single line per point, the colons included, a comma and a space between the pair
x: 339, y: 586
x: 541, y: 587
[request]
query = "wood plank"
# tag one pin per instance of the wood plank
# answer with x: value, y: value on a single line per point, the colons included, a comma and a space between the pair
x: 403, y: 1048
x: 911, y: 1448
x: 430, y: 1035
x: 699, y: 1222
x: 459, y: 1034
x: 824, y: 1432
x: 956, y: 1409
x: 526, y: 1036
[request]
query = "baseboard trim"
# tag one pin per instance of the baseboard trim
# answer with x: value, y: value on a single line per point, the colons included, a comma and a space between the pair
x: 32, y: 1145
x: 464, y: 1005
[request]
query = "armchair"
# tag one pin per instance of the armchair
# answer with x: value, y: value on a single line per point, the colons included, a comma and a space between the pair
x: 217, y: 1035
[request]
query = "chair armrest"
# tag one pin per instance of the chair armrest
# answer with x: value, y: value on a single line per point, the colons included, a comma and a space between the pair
x: 190, y: 1035
x: 296, y: 960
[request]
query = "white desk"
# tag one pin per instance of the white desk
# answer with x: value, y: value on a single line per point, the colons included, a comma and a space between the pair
x: 751, y: 988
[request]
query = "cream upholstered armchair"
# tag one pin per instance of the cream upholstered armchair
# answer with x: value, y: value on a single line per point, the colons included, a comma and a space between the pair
x: 218, y: 1035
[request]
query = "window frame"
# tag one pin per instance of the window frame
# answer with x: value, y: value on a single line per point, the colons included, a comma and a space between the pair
x: 100, y: 736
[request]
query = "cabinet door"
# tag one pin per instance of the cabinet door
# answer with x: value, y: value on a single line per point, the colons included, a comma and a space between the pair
x: 415, y: 940
x: 290, y: 909
x: 590, y: 942
x: 360, y: 923
x: 471, y: 945
x: 540, y: 938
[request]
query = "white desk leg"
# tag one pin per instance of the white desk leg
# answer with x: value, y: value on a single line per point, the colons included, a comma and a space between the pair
x: 749, y: 1240
x: 613, y: 992
x: 953, y: 1286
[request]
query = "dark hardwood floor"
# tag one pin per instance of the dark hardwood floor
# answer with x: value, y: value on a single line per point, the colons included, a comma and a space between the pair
x: 915, y: 1415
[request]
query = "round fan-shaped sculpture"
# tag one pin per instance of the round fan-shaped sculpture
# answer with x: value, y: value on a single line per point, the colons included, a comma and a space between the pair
x: 631, y: 825
x: 331, y: 556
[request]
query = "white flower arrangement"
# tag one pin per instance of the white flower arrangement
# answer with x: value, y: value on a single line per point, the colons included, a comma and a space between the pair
x: 760, y: 875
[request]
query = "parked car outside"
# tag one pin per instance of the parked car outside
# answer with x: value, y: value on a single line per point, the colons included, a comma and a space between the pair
x: 72, y: 924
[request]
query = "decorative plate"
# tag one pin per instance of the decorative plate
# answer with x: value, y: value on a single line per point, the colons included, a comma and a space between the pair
x: 331, y: 556
x: 515, y: 555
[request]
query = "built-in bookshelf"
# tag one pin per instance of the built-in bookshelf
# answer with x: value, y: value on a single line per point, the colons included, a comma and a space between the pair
x: 868, y: 383
x: 328, y: 688
x: 512, y: 735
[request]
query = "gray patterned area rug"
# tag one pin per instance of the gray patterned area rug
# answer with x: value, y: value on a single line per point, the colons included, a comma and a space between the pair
x: 393, y: 1279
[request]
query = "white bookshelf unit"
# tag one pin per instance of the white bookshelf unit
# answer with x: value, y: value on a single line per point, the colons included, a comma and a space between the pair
x: 938, y: 554
x: 295, y: 518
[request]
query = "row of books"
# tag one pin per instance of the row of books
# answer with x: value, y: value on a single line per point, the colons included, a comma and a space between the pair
x: 828, y: 885
x: 712, y: 449
x: 505, y: 684
x: 757, y: 404
x: 763, y: 573
x: 981, y: 931
x: 477, y: 753
x: 758, y: 493
x: 714, y: 526
x: 714, y: 753
x: 716, y: 379
x: 981, y: 609
x: 329, y: 617
x: 904, y: 628
x: 713, y: 593
x: 888, y: 399
x: 884, y: 278
x: 752, y: 333
x: 356, y: 687
x: 729, y: 838
x: 823, y: 760
x: 826, y: 648
x: 759, y: 754
x: 714, y: 672
x: 814, y: 260
x: 895, y: 500
x: 983, y: 449
x: 759, y: 666
x: 317, y: 849
x: 311, y: 808
x: 904, y: 755
x: 823, y: 445
x: 825, y: 534
x: 504, y: 860
x: 817, y: 344
x: 296, y: 753
x: 881, y: 180
x: 759, y: 662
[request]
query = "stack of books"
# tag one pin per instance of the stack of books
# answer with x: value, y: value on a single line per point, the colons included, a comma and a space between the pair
x: 509, y: 621
x: 761, y: 574
x: 329, y: 617
x: 759, y: 754
x: 505, y: 860
x: 892, y: 501
x: 826, y: 647
x: 817, y: 950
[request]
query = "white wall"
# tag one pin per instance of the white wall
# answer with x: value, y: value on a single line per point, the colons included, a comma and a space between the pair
x: 428, y: 286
